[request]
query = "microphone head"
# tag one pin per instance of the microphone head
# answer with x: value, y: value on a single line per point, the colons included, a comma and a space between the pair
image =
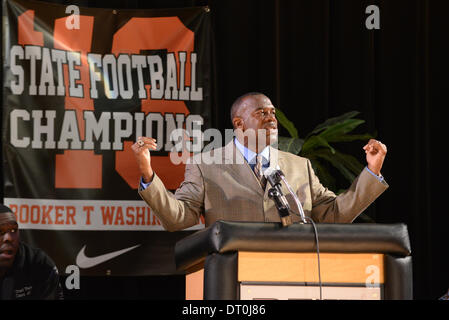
x: 279, y: 171
x: 269, y: 172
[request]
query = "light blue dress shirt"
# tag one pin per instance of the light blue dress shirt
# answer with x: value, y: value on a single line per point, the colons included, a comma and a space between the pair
x: 250, y: 156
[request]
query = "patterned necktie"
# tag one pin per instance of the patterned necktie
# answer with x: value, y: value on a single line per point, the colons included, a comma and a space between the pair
x: 258, y: 172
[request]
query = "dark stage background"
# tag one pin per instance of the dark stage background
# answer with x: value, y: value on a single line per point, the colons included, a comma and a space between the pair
x: 315, y: 59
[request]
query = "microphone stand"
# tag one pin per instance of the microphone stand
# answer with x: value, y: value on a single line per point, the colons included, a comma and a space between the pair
x: 304, y: 221
x: 290, y: 190
x: 280, y: 201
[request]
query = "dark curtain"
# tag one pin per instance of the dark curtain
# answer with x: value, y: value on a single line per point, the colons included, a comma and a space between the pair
x: 315, y: 59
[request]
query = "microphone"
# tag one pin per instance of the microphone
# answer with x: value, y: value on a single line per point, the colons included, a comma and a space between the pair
x: 275, y: 193
x: 274, y: 176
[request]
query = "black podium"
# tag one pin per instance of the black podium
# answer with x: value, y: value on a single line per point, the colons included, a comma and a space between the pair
x: 245, y: 260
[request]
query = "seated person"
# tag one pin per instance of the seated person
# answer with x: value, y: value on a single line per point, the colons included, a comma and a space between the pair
x: 26, y: 273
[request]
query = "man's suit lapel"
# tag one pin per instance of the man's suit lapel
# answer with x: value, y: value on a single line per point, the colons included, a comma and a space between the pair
x: 236, y: 163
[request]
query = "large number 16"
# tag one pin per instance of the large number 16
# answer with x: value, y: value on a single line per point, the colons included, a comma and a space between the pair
x: 82, y: 169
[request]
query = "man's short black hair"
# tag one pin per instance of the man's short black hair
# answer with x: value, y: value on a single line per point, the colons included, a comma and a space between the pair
x: 4, y: 209
x: 238, y: 102
x: 6, y: 215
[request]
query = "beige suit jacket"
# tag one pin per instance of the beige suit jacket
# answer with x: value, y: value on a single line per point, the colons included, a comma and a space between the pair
x: 221, y: 186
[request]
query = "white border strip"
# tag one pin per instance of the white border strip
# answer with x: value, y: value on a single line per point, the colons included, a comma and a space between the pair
x: 85, y: 215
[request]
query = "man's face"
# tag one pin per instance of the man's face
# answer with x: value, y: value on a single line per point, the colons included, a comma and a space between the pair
x: 9, y: 239
x: 258, y: 113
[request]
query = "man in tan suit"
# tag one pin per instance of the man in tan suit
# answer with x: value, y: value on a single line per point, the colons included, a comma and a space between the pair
x: 221, y: 184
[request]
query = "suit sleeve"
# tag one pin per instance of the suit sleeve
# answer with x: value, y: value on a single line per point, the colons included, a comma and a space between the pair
x: 344, y: 208
x: 180, y: 210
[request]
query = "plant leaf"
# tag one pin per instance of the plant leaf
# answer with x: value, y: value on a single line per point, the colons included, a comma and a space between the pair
x: 365, y: 218
x: 331, y: 121
x: 315, y: 142
x: 292, y: 145
x: 351, y: 137
x: 316, y: 147
x: 346, y: 164
x: 287, y: 124
x: 323, y: 174
x: 350, y: 162
x: 340, y: 128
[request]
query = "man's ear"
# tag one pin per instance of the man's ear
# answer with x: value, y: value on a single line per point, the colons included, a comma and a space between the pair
x: 237, y: 123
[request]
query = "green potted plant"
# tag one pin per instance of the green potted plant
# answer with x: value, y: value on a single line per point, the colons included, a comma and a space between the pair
x: 318, y: 147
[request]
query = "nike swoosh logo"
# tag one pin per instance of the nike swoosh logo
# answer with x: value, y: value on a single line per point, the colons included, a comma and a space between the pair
x: 88, y: 262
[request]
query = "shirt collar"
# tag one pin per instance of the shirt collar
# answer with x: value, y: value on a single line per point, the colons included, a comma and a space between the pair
x: 250, y: 156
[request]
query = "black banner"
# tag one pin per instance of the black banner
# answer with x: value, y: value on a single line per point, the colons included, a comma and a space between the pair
x: 80, y: 85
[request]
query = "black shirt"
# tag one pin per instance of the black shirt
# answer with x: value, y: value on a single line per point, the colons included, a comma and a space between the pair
x: 33, y: 276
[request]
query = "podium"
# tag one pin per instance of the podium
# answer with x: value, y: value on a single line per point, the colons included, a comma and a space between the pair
x: 247, y: 260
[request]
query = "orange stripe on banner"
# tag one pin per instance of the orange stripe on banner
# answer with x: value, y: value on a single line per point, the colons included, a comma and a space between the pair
x: 27, y: 34
x: 77, y: 169
x: 72, y: 171
x: 154, y: 34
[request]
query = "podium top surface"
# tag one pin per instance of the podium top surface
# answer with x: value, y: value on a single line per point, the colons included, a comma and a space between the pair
x: 226, y: 236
